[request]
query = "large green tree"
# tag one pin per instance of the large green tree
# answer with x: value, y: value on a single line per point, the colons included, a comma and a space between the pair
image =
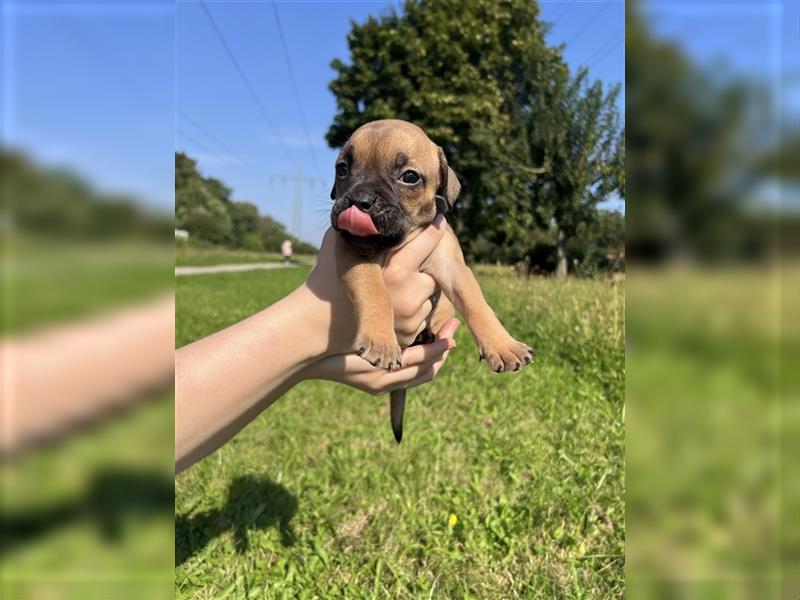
x: 488, y: 89
x: 575, y: 134
x: 685, y: 166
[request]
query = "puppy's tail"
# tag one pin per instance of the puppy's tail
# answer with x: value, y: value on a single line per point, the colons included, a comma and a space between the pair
x: 397, y: 402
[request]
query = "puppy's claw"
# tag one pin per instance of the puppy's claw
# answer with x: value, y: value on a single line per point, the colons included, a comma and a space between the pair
x: 377, y: 352
x: 507, y: 355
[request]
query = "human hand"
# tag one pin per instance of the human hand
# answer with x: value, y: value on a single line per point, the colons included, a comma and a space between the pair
x: 409, y: 290
x: 420, y: 365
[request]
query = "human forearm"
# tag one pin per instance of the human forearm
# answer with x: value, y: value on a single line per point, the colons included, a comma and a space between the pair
x: 224, y: 380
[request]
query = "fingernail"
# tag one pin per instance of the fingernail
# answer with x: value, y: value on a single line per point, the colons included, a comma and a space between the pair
x: 437, y: 222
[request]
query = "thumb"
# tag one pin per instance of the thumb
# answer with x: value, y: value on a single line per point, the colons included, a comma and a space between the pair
x: 449, y: 328
x: 414, y: 253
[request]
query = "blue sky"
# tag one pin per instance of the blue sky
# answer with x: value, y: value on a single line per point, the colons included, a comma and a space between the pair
x: 91, y: 85
x: 757, y: 39
x: 253, y: 162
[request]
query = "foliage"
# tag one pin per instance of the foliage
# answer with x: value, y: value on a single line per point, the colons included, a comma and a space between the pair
x: 56, y: 203
x: 315, y: 499
x: 533, y: 145
x: 686, y: 165
x: 203, y: 207
x: 599, y: 245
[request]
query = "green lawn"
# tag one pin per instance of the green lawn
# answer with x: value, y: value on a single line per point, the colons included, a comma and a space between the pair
x: 315, y: 499
x: 90, y: 517
x: 197, y: 255
x: 45, y: 282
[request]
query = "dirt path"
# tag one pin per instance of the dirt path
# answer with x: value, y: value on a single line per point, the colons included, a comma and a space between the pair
x: 234, y: 268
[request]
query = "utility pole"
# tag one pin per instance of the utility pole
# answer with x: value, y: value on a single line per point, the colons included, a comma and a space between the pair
x: 297, y: 204
x: 297, y: 180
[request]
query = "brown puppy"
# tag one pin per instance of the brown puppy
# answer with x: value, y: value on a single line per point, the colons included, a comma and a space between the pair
x: 391, y: 182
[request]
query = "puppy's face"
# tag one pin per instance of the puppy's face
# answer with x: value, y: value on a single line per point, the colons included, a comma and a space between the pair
x: 388, y: 177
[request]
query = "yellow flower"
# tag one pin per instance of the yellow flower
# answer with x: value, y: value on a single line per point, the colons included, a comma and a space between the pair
x: 451, y: 522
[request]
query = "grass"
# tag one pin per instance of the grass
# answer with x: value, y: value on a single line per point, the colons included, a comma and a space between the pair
x: 193, y: 254
x: 46, y: 282
x: 504, y: 486
x: 712, y: 433
x: 90, y: 517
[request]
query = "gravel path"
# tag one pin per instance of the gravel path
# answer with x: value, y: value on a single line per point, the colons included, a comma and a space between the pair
x: 236, y: 268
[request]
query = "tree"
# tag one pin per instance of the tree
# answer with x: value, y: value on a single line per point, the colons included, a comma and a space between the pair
x: 599, y: 244
x: 201, y: 205
x: 244, y: 220
x: 574, y: 133
x: 487, y: 88
x: 58, y: 204
x: 686, y: 167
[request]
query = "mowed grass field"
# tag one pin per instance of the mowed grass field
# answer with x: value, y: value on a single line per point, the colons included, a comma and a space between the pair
x: 505, y: 486
x: 194, y: 254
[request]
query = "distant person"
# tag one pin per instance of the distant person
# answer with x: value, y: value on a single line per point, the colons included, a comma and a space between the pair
x: 286, y: 250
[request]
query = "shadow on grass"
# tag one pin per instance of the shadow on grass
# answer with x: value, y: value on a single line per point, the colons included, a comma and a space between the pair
x: 113, y: 496
x: 254, y: 503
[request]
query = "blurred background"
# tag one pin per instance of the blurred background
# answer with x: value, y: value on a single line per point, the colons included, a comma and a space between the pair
x: 86, y: 329
x: 712, y: 407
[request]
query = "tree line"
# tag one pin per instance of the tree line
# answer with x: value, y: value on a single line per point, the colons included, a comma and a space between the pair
x: 57, y: 204
x: 536, y: 147
x: 204, y: 208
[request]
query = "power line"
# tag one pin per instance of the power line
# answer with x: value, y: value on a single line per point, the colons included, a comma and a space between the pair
x: 612, y: 41
x: 218, y: 142
x: 194, y: 141
x: 245, y: 80
x: 294, y: 87
x: 590, y: 22
x: 563, y: 10
x: 603, y: 55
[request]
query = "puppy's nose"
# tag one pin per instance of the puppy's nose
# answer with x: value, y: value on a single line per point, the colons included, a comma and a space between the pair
x: 362, y: 202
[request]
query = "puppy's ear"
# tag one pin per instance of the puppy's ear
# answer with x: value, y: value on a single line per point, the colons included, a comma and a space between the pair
x: 449, y: 187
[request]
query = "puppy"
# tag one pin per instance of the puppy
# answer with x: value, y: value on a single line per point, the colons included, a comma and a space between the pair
x: 391, y: 182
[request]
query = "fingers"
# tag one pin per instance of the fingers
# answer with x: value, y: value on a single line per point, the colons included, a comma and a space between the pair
x: 425, y: 353
x: 449, y: 328
x: 406, y: 336
x: 424, y: 373
x: 413, y: 254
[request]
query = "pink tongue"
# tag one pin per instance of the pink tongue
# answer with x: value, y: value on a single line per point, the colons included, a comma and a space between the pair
x: 356, y: 222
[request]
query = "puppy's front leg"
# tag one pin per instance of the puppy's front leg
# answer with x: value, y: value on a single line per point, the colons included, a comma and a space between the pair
x: 447, y: 266
x: 375, y: 339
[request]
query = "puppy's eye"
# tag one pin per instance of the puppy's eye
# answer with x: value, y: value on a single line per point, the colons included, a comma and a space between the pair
x: 410, y: 177
x: 342, y: 170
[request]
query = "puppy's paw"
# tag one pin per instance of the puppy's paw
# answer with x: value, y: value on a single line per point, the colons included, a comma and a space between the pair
x: 380, y: 351
x: 505, y: 355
